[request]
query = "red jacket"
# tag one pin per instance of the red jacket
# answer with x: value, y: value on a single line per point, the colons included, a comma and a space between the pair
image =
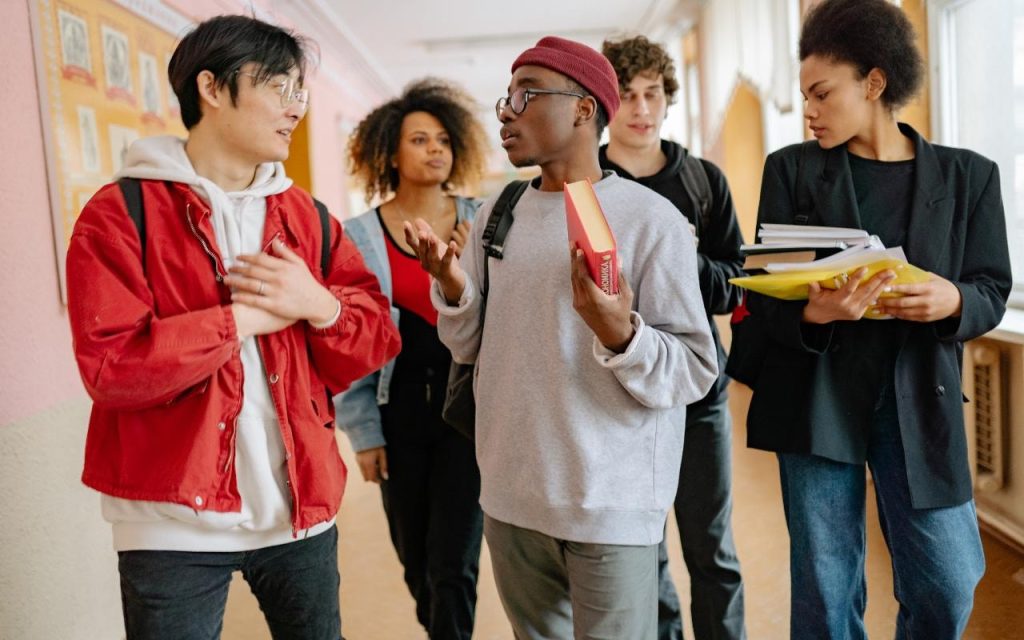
x: 157, y: 349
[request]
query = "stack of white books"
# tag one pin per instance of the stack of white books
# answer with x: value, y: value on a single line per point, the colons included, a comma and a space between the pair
x: 799, y: 247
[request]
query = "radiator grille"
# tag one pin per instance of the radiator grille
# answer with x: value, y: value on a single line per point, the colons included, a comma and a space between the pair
x: 987, y: 412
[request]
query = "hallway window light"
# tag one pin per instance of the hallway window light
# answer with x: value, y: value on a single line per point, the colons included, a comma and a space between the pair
x: 977, y: 61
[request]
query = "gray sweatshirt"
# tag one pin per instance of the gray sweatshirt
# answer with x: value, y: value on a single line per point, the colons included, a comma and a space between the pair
x: 573, y: 440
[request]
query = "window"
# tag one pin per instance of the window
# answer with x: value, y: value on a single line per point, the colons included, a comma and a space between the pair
x: 977, y: 60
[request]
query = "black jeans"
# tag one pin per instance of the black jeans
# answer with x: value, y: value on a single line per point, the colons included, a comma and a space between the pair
x: 172, y: 595
x: 703, y: 508
x: 432, y: 501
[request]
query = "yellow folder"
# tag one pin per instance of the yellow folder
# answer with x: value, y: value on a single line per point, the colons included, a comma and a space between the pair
x: 792, y: 285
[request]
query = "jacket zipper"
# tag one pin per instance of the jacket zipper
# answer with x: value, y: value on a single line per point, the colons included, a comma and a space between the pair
x: 271, y: 241
x: 218, y: 269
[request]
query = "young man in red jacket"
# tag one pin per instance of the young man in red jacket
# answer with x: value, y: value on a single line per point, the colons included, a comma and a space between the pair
x: 211, y: 338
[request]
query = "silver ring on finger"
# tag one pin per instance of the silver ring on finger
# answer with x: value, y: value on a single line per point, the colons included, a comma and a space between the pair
x: 259, y: 291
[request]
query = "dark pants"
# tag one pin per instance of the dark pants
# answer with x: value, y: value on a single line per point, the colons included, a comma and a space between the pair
x: 432, y: 501
x: 180, y: 595
x: 703, y: 509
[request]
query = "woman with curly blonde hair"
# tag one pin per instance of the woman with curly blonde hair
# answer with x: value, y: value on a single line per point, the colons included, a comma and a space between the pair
x: 415, y: 151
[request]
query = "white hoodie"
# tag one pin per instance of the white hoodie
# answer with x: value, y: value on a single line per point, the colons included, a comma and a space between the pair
x: 265, y: 518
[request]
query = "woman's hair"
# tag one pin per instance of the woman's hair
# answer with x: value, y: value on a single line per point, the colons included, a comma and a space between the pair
x: 375, y: 141
x: 636, y: 56
x: 867, y: 34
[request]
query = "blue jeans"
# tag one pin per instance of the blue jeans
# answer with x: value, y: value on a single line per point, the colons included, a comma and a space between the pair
x: 936, y: 554
x: 703, y: 508
x: 172, y: 595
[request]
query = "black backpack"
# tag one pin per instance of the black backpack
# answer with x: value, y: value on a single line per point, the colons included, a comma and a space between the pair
x: 131, y: 189
x: 459, y: 403
x: 698, y: 189
x: 749, y: 346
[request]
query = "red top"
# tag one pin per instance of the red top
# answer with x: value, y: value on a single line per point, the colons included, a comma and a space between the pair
x: 409, y: 282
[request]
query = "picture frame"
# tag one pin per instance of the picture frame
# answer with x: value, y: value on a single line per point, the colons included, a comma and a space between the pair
x: 100, y: 88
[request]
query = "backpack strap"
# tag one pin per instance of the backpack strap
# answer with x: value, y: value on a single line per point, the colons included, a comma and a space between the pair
x: 811, y: 167
x: 498, y: 224
x: 131, y: 189
x: 500, y: 220
x: 698, y: 188
x: 325, y: 237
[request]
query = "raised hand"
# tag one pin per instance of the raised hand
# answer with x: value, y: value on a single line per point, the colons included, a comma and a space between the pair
x: 849, y: 302
x: 438, y: 259
x: 607, y: 316
x: 936, y: 299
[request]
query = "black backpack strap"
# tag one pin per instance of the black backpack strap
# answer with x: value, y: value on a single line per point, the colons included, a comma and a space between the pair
x: 131, y: 189
x: 325, y: 237
x: 498, y: 224
x: 811, y: 168
x: 500, y: 220
x: 698, y: 188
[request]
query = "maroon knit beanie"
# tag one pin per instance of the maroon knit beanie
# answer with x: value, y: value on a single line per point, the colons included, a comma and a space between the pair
x: 581, y: 63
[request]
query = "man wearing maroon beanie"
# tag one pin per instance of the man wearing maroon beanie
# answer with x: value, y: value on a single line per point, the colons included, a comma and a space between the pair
x: 580, y: 396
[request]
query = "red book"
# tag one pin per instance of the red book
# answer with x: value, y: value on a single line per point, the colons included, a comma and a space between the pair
x: 589, y: 231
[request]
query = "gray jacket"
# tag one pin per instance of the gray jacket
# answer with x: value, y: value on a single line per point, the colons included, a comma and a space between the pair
x: 358, y: 412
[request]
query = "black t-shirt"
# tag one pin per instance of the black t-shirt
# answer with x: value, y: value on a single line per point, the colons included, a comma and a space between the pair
x: 884, y: 192
x: 884, y: 195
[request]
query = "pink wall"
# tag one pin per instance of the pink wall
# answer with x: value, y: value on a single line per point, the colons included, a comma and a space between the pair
x: 37, y: 369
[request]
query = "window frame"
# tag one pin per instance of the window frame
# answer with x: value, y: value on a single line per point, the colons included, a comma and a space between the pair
x: 945, y: 108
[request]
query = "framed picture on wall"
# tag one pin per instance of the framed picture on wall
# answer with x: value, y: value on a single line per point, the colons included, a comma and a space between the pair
x: 90, y: 143
x: 116, y: 66
x: 74, y: 45
x: 100, y: 88
x: 150, y: 84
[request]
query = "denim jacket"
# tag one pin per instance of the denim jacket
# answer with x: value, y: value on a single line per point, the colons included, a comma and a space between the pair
x: 358, y: 412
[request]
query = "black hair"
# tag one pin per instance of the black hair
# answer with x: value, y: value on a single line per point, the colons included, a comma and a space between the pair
x: 867, y: 34
x: 375, y: 140
x: 222, y: 45
x: 600, y: 116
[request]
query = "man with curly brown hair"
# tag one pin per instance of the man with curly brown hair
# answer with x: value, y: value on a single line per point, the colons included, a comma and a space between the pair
x: 703, y: 503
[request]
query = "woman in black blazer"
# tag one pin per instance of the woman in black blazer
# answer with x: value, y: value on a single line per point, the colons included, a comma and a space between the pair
x: 836, y: 391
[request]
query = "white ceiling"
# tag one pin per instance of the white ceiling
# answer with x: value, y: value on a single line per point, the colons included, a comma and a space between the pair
x: 474, y: 42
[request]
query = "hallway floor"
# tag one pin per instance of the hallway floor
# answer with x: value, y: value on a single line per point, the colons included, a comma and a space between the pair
x: 376, y: 606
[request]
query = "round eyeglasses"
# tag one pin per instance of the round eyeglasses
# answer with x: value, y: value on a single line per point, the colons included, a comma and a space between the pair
x: 289, y: 90
x: 519, y: 98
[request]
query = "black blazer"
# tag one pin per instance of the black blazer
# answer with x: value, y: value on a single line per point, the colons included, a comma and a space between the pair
x: 802, y: 400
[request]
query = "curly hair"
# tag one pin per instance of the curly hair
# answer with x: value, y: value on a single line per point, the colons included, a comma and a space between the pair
x: 375, y: 140
x: 867, y: 34
x: 634, y: 56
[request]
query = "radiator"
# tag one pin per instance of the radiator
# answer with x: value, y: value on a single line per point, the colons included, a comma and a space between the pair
x: 987, y: 414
